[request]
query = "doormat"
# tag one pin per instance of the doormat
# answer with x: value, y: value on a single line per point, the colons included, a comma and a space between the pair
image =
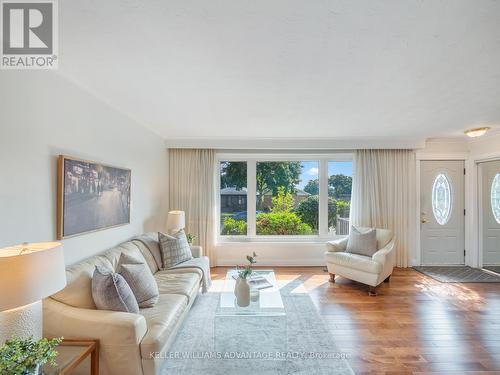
x: 458, y: 274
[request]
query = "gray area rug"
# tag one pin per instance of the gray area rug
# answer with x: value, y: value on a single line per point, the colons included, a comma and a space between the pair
x: 458, y: 274
x: 495, y: 269
x: 308, y: 344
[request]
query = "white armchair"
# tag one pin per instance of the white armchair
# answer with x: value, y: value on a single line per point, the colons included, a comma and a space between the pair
x: 367, y: 270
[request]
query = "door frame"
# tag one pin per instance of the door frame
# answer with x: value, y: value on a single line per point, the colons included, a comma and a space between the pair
x: 416, y: 257
x: 476, y: 240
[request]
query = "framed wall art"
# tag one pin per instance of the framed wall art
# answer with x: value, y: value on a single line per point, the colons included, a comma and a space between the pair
x: 91, y: 196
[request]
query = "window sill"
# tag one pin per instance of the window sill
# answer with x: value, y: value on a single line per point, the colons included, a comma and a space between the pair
x: 277, y: 239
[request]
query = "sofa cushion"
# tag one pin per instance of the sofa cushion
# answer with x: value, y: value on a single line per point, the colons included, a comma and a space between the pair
x: 140, y: 279
x: 355, y: 261
x: 127, y: 248
x: 111, y: 292
x: 150, y: 260
x: 162, y: 320
x: 78, y: 290
x: 175, y: 248
x: 150, y: 242
x: 362, y: 243
x: 186, y: 284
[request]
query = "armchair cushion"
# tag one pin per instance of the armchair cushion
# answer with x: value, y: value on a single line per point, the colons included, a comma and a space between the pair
x: 355, y: 261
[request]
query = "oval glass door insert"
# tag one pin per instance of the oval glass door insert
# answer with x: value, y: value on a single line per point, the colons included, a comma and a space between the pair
x: 495, y: 197
x: 441, y: 199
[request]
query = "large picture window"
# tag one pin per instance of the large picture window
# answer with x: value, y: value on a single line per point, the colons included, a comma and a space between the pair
x: 284, y: 197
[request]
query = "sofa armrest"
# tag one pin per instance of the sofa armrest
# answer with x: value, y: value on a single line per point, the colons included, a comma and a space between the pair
x: 197, y: 251
x: 337, y: 245
x: 110, y: 327
x: 386, y: 254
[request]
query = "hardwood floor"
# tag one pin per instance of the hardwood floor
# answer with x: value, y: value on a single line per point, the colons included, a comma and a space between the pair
x: 415, y: 325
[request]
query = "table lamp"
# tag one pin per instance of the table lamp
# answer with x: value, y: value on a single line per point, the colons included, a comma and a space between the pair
x: 28, y: 273
x: 176, y: 221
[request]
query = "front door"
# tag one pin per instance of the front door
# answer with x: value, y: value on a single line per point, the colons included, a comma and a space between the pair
x: 442, y: 221
x: 490, y: 212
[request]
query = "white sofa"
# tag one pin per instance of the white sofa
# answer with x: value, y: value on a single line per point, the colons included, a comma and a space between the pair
x: 367, y: 270
x: 130, y: 344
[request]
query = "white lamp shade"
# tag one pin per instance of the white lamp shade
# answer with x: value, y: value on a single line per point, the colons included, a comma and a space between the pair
x: 176, y: 220
x: 29, y: 273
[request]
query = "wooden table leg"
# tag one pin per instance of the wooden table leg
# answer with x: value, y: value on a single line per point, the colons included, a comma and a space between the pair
x: 94, y: 360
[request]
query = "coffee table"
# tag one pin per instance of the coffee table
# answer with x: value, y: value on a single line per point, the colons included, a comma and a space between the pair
x: 259, y: 328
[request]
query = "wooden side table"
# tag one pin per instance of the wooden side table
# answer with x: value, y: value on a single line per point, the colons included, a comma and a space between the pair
x: 71, y: 353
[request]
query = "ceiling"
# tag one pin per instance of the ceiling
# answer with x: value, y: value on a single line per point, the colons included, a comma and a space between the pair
x: 289, y: 69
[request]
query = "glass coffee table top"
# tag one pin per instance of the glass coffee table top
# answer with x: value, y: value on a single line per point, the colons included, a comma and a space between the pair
x: 70, y: 354
x: 263, y: 302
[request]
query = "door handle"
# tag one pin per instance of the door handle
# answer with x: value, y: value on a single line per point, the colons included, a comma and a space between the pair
x: 423, y: 218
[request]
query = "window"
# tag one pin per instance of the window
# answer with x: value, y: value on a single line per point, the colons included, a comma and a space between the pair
x: 283, y: 204
x: 233, y: 198
x: 270, y: 196
x: 441, y: 199
x: 339, y: 196
x: 495, y: 197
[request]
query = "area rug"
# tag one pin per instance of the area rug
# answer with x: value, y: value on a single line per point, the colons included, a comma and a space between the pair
x: 310, y: 346
x: 495, y: 269
x: 458, y: 274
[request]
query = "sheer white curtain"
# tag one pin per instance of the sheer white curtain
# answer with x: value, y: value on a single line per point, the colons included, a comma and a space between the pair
x: 384, y: 195
x: 192, y: 190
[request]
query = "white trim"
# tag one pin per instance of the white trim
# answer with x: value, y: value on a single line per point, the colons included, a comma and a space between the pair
x: 291, y: 156
x: 437, y: 156
x: 251, y: 198
x: 416, y: 257
x: 323, y: 198
x: 228, y: 143
x: 475, y: 220
x: 479, y: 213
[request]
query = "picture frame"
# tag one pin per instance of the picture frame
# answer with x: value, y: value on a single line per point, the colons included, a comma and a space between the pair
x: 91, y: 196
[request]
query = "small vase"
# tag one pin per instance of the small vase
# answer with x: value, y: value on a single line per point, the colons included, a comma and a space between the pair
x: 236, y: 286
x: 242, y: 292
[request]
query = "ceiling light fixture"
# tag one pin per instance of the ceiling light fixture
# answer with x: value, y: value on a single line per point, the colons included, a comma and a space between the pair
x: 477, y: 132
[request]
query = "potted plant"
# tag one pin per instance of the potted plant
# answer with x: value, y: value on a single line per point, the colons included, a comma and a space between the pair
x: 25, y: 357
x: 242, y: 289
x: 190, y: 237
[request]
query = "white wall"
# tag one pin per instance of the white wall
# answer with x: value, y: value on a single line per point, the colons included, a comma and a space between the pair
x: 272, y: 253
x: 485, y: 147
x: 43, y: 115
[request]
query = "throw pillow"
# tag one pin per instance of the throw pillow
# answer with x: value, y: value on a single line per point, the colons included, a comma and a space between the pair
x: 140, y: 279
x: 111, y: 292
x: 175, y: 248
x: 362, y: 243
